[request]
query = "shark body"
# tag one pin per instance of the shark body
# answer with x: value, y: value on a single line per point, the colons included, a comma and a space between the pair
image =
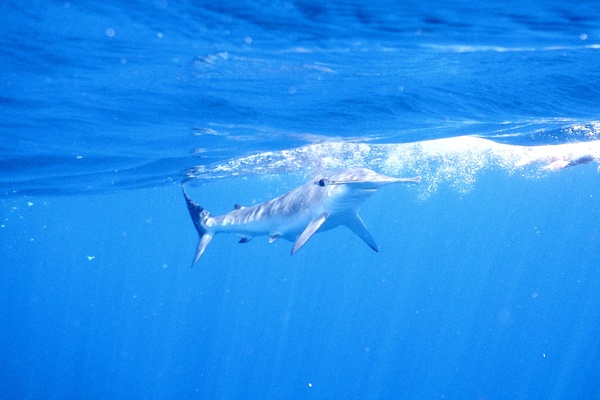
x: 319, y: 205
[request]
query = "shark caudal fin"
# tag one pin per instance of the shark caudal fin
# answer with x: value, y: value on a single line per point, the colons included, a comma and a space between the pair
x: 199, y: 217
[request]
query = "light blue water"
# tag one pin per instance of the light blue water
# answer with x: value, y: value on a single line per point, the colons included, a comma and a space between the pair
x: 486, y: 284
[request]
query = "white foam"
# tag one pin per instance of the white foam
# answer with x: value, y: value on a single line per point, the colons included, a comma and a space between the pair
x: 454, y: 161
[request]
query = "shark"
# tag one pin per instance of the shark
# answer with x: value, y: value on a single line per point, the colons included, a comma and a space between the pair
x: 323, y: 203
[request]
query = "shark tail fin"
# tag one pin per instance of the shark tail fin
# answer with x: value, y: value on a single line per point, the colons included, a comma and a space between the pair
x: 199, y: 217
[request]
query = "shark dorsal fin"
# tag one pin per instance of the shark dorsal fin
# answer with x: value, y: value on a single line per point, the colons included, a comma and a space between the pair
x: 274, y: 237
x: 310, y: 230
x: 357, y: 226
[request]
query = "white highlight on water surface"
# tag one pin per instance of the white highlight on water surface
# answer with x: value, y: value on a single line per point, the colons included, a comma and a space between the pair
x: 500, y: 49
x: 455, y: 161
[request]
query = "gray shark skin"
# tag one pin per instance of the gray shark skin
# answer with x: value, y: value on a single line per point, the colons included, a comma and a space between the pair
x: 323, y: 203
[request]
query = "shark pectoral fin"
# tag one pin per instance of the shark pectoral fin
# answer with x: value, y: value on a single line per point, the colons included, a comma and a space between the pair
x: 245, y: 239
x: 357, y: 226
x: 204, y: 241
x: 310, y: 230
x: 274, y: 237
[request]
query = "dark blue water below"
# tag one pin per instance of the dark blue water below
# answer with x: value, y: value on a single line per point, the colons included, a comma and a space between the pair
x: 487, y: 280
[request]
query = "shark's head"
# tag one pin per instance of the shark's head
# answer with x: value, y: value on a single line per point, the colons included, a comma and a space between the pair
x: 354, y: 185
x: 349, y: 188
x: 356, y: 179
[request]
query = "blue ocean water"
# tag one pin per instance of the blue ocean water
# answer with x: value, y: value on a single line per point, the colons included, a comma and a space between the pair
x: 487, y: 280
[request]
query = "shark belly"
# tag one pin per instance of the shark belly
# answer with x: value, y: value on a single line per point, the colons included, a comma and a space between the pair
x: 254, y: 221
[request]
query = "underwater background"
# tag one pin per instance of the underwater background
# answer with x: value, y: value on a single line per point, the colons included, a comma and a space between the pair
x: 487, y: 280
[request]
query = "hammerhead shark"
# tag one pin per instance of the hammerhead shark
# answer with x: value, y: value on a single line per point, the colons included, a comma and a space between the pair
x: 322, y: 203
